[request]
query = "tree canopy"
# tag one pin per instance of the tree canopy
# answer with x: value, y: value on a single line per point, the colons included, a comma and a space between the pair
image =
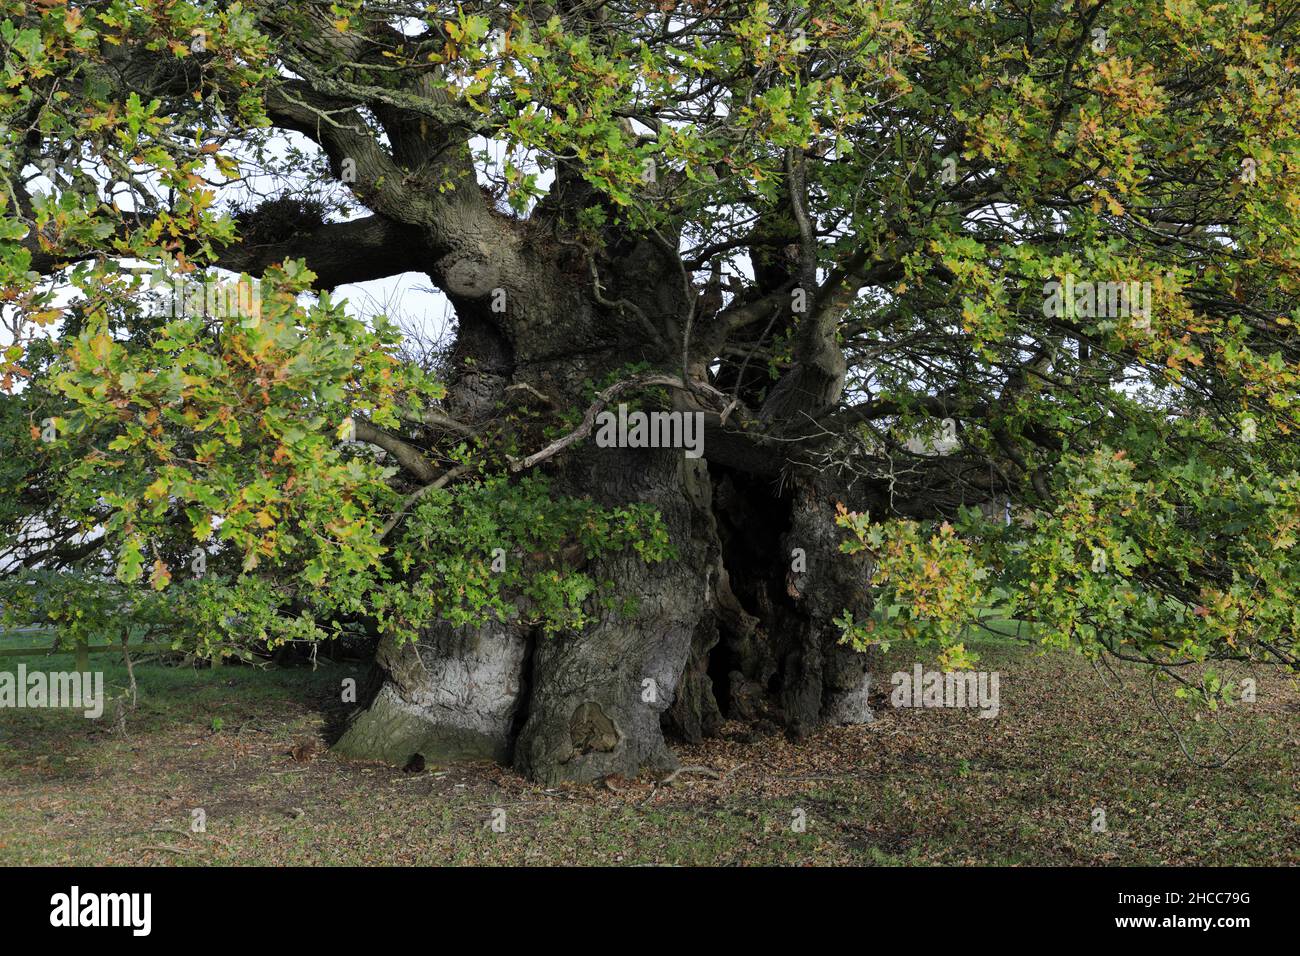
x: 1021, y: 277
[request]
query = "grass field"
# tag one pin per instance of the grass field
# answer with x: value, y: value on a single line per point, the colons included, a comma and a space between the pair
x: 914, y: 787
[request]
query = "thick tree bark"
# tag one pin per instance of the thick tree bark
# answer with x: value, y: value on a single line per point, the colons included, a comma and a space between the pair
x: 454, y: 695
x: 598, y: 696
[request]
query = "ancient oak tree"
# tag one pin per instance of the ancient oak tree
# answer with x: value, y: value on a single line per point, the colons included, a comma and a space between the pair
x: 977, y: 305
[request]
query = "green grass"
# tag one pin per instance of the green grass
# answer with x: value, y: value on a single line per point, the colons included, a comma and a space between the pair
x: 26, y: 637
x: 170, y: 698
x: 914, y: 787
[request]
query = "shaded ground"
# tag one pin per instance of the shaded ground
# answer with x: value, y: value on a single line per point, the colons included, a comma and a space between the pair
x: 917, y: 786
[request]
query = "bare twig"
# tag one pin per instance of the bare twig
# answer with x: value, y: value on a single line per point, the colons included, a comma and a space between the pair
x: 130, y: 671
x: 602, y: 400
x: 703, y: 771
x: 1182, y: 745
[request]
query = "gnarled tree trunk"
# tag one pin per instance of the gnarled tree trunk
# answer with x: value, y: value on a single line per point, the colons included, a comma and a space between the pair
x: 738, y: 625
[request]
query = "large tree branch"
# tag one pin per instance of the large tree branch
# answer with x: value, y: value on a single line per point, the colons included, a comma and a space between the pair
x: 406, y: 454
x: 815, y: 381
x: 338, y: 252
x: 353, y: 150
